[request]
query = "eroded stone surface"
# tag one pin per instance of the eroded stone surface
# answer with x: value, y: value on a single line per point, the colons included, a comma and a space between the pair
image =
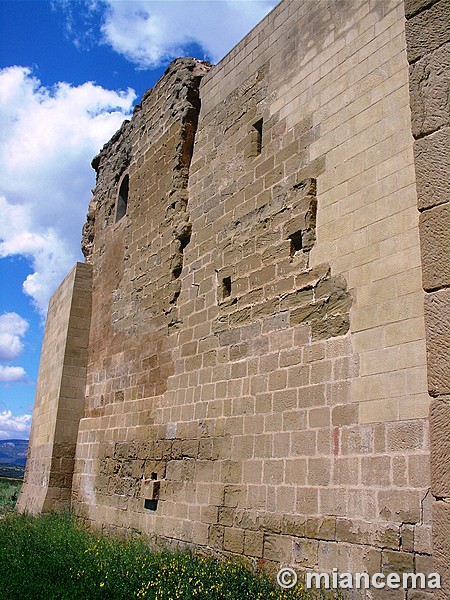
x: 429, y: 82
x: 432, y: 162
x: 435, y: 242
x: 427, y: 30
x: 437, y: 320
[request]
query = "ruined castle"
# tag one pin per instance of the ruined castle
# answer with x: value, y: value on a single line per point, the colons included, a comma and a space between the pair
x: 252, y: 360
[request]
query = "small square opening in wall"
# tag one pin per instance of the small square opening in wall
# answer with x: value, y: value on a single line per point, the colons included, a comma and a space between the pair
x: 150, y: 504
x: 226, y: 287
x: 296, y: 242
x: 258, y: 128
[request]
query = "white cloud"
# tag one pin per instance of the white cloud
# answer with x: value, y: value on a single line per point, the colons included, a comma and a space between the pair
x: 12, y: 328
x: 14, y: 427
x: 47, y: 140
x: 152, y: 32
x: 12, y: 374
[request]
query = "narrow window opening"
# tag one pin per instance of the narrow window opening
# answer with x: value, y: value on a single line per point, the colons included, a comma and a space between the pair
x: 258, y: 127
x: 122, y: 199
x: 152, y: 503
x: 296, y: 242
x: 226, y: 287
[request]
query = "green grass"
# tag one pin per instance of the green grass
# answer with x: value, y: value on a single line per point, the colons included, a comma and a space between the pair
x: 9, y: 492
x: 52, y: 557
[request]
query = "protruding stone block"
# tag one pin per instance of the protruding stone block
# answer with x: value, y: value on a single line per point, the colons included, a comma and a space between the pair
x: 429, y: 83
x: 427, y: 30
x: 440, y: 448
x: 435, y: 244
x: 437, y: 321
x: 432, y: 161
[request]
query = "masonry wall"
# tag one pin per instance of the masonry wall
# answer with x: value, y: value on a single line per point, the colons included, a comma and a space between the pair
x: 60, y: 391
x: 257, y: 370
x: 137, y: 262
x: 257, y: 361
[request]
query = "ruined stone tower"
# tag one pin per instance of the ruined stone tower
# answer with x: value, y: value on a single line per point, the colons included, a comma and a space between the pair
x: 245, y: 363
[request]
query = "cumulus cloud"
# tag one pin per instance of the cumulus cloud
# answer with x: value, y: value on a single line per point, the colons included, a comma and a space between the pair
x: 12, y: 328
x: 47, y: 140
x: 12, y: 374
x: 152, y: 32
x: 14, y: 427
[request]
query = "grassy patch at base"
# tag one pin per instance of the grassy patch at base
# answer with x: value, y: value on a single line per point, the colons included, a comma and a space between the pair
x: 53, y: 558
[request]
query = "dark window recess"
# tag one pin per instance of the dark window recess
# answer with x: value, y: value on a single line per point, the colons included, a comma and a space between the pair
x: 296, y: 242
x: 226, y: 287
x: 150, y: 504
x: 258, y: 127
x: 122, y: 199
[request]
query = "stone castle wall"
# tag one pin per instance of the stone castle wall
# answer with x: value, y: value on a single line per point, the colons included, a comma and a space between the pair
x: 427, y: 36
x: 257, y: 363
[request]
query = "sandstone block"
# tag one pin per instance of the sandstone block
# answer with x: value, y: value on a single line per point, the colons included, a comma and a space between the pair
x: 441, y: 547
x: 278, y: 548
x: 427, y: 30
x: 253, y: 544
x: 405, y: 436
x: 397, y: 562
x: 414, y: 6
x: 429, y: 81
x: 233, y: 540
x: 437, y: 323
x: 401, y: 507
x: 432, y: 162
x: 440, y: 448
x: 215, y: 536
x: 434, y: 227
x: 293, y: 525
x: 306, y: 552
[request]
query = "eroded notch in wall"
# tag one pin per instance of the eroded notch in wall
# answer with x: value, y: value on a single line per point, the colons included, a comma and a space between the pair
x: 182, y: 238
x: 255, y: 144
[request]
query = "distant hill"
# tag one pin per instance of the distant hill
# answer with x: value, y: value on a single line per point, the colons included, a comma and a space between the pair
x: 13, y: 452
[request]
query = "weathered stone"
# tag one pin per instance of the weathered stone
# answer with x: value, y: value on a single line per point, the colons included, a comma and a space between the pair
x: 427, y: 30
x: 414, y: 6
x: 429, y: 82
x: 434, y: 227
x: 440, y: 448
x: 437, y: 321
x: 277, y: 547
x: 432, y: 162
x: 441, y: 547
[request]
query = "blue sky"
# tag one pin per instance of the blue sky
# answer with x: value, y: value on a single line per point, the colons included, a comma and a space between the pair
x: 70, y: 72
